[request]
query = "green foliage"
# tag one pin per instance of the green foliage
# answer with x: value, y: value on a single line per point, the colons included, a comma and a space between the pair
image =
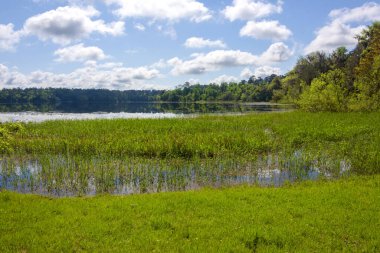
x: 326, y: 93
x: 354, y: 84
x: 292, y: 87
x: 311, y: 66
x: 338, y: 58
x: 216, y: 137
x: 4, y: 141
x: 367, y: 82
x: 7, y: 132
x: 334, y: 216
x: 253, y: 90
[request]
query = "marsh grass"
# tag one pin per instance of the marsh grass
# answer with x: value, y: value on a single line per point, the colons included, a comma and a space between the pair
x: 71, y: 176
x: 65, y: 158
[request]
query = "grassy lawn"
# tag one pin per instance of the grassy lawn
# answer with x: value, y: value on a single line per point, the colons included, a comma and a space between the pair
x: 342, y: 215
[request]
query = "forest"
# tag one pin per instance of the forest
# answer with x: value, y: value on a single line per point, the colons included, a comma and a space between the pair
x: 341, y: 81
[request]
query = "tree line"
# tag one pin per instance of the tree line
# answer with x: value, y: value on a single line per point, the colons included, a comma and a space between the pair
x: 75, y: 96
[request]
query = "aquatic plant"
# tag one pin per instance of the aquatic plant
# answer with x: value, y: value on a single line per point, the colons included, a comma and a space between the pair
x: 153, y: 155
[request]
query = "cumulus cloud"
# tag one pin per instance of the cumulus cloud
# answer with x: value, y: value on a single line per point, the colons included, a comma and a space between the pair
x: 167, y: 30
x: 246, y: 73
x: 262, y: 71
x: 277, y: 52
x: 364, y: 13
x: 91, y: 76
x: 265, y: 71
x: 344, y: 25
x: 212, y: 61
x: 251, y: 9
x: 79, y: 53
x: 160, y: 64
x: 169, y: 10
x: 332, y: 36
x: 70, y: 23
x: 193, y: 81
x: 10, y: 78
x: 271, y: 30
x: 140, y: 27
x: 224, y: 79
x: 215, y: 60
x: 9, y: 38
x: 197, y: 42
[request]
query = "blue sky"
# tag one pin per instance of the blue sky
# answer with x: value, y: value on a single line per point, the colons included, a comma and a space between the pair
x: 134, y: 44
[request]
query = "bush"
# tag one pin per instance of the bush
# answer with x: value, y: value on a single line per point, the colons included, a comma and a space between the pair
x: 326, y: 93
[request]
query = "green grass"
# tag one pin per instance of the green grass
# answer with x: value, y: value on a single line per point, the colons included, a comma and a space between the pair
x: 322, y: 216
x: 205, y: 136
x: 72, y: 153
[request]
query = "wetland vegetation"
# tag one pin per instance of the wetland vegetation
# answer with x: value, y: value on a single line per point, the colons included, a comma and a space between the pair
x: 327, y: 164
x: 152, y: 155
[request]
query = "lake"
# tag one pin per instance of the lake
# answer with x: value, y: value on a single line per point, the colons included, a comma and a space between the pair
x: 33, y: 113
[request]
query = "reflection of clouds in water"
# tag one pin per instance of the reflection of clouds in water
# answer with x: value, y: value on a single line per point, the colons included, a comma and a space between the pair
x: 40, y: 117
x: 58, y: 178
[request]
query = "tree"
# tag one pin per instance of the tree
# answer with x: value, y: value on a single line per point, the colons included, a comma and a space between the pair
x: 367, y: 81
x: 338, y: 58
x: 292, y: 86
x: 311, y: 66
x: 326, y: 93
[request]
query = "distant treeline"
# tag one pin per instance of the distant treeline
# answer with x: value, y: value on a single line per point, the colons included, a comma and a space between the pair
x: 253, y: 90
x: 341, y: 81
x: 75, y: 96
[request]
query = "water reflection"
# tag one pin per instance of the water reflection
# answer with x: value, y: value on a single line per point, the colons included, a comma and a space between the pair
x: 181, y: 108
x: 62, y: 176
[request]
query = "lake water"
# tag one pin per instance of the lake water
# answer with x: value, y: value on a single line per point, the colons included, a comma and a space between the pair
x: 29, y: 113
x: 62, y: 176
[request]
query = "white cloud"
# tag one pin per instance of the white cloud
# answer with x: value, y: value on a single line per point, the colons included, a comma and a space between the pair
x: 91, y: 76
x: 333, y: 36
x: 344, y: 25
x: 168, y: 31
x: 251, y: 9
x: 197, y: 42
x: 109, y: 65
x: 367, y: 12
x: 224, y: 79
x: 265, y: 71
x: 140, y: 27
x: 79, y: 53
x: 212, y: 61
x: 246, y: 73
x: 70, y: 23
x: 160, y: 64
x: 277, y: 52
x: 262, y: 71
x: 271, y: 30
x: 10, y: 78
x: 9, y: 38
x: 170, y: 10
x: 193, y: 81
x: 215, y: 60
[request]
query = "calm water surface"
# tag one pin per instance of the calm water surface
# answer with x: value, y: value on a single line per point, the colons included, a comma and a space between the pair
x: 29, y: 113
x: 64, y: 176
